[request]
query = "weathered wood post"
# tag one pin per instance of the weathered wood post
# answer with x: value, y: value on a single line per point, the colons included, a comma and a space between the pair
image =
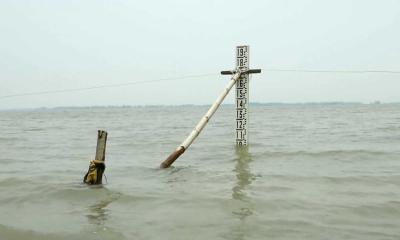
x: 97, y: 166
x: 242, y: 94
x: 101, y: 145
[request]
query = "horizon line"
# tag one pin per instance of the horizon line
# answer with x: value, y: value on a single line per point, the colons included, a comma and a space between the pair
x: 200, y: 105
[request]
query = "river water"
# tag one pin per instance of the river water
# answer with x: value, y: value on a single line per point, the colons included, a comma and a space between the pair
x: 312, y: 171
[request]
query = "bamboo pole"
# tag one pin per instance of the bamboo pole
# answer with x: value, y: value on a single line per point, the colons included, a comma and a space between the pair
x: 202, y: 123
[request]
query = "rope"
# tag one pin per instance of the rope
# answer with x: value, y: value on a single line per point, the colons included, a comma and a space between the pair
x: 105, y: 86
x: 105, y: 177
x: 331, y: 71
x: 193, y: 76
x: 97, y: 161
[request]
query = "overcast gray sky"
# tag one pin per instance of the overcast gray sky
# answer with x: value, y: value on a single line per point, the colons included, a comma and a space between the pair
x: 52, y: 45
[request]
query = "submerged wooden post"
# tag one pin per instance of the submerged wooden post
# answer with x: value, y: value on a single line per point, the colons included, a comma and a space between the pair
x: 97, y: 166
x: 202, y: 123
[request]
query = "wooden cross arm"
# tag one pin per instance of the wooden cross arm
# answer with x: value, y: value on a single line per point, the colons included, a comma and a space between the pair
x: 247, y: 71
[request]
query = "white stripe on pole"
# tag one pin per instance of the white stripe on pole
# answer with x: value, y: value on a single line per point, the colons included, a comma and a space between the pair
x: 242, y: 96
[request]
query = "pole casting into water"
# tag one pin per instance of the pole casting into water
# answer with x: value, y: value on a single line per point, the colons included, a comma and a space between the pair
x: 241, y: 78
x: 202, y: 123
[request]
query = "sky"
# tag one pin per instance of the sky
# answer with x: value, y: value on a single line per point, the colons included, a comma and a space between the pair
x: 48, y: 45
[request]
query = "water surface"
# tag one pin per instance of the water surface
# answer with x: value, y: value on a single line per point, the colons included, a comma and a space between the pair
x: 311, y: 172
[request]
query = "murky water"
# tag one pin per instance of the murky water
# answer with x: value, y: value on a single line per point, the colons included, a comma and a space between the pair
x: 311, y: 172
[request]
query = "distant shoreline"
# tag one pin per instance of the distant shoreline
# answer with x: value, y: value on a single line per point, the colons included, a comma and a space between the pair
x: 200, y: 105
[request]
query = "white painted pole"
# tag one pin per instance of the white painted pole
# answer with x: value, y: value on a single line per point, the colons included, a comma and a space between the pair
x: 202, y: 123
x: 242, y: 96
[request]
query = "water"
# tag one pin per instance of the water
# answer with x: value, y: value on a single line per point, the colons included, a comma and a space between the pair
x: 311, y: 172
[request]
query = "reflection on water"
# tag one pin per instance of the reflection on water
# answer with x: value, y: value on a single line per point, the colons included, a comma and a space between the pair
x: 243, y: 175
x: 98, y: 214
x: 243, y: 179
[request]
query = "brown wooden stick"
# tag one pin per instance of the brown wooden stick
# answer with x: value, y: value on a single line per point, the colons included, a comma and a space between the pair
x: 172, y: 157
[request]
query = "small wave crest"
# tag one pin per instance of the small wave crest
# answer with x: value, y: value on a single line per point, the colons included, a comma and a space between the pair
x: 342, y: 154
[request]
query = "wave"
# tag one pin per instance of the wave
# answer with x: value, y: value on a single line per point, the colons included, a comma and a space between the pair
x: 328, y: 153
x: 14, y: 233
x: 19, y: 191
x: 11, y: 233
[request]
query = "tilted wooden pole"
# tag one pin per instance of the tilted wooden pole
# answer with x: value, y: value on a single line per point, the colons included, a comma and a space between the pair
x: 202, y: 123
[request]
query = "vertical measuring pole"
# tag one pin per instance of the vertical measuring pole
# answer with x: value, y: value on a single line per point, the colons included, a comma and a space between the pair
x: 242, y: 96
